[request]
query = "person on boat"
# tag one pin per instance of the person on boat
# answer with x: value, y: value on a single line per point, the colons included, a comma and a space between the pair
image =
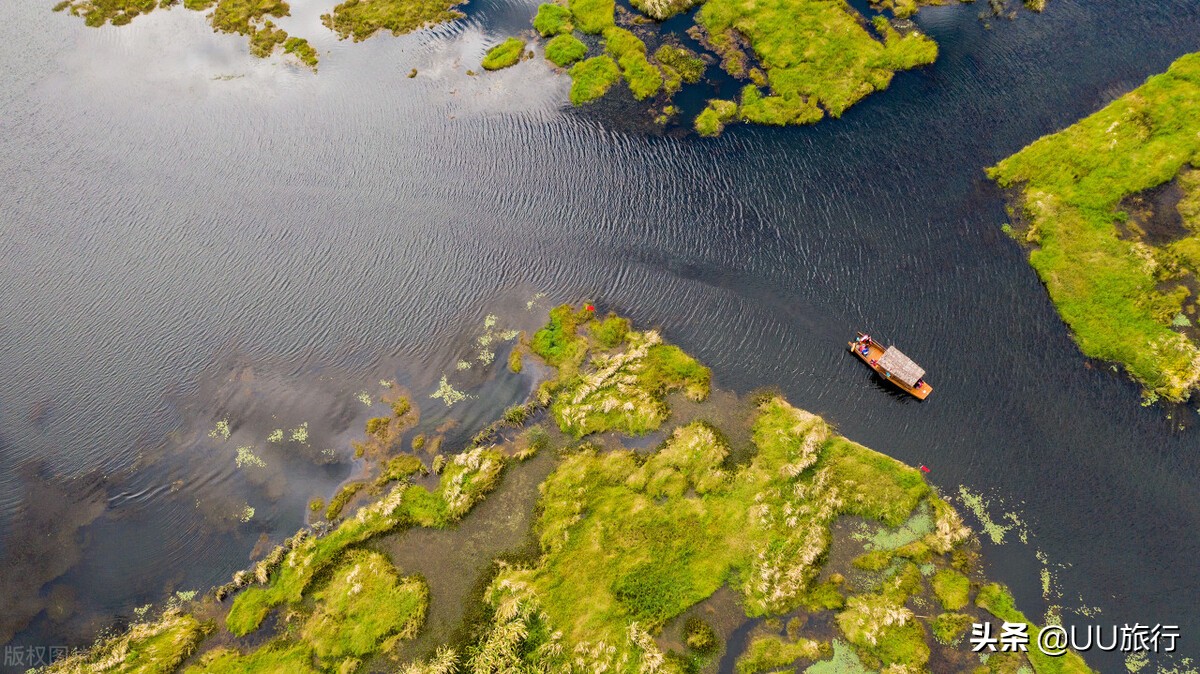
x: 865, y: 350
x: 920, y: 383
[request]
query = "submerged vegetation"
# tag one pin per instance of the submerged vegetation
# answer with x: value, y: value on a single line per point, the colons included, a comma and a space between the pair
x: 628, y: 546
x: 1122, y: 272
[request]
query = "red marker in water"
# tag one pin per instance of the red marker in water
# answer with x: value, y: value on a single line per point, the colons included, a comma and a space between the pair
x: 924, y: 469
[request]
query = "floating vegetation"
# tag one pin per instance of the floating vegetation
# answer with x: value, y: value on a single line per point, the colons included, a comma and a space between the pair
x: 300, y: 433
x: 462, y: 365
x: 247, y: 513
x: 246, y: 457
x: 995, y: 531
x: 1137, y: 661
x: 185, y: 596
x: 448, y: 394
x: 535, y: 301
x: 221, y: 430
x: 387, y: 383
x: 276, y: 435
x: 364, y: 398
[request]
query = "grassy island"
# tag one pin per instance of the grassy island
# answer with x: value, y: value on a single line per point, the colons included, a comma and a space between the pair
x: 505, y: 54
x: 1110, y: 211
x: 360, y: 19
x: 638, y: 560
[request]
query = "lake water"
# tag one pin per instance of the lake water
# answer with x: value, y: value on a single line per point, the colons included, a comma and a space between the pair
x: 189, y: 234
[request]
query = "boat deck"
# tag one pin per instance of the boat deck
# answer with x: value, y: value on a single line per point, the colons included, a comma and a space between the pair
x: 874, y: 353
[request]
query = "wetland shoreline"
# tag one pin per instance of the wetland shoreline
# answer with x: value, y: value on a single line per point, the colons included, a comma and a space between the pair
x: 745, y: 498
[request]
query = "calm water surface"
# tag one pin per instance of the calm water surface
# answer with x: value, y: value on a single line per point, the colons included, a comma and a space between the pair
x: 189, y: 234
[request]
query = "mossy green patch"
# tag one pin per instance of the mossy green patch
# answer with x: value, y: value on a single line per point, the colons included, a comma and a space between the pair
x: 558, y: 343
x: 685, y: 62
x: 592, y: 16
x: 592, y: 78
x: 712, y: 120
x: 626, y: 390
x: 812, y: 49
x: 610, y: 332
x: 948, y: 628
x: 364, y: 607
x: 643, y: 77
x: 1118, y: 294
x: 565, y: 49
x: 505, y: 54
x: 302, y: 50
x: 360, y: 19
x: 952, y: 589
x: 883, y: 628
x: 770, y: 653
x: 553, y: 19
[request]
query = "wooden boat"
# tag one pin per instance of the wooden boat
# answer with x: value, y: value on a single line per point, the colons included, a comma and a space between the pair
x: 892, y: 365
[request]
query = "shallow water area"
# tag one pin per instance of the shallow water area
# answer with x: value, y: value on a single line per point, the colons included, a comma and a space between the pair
x: 168, y: 196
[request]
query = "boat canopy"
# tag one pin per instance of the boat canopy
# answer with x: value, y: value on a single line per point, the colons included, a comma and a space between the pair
x: 901, y: 366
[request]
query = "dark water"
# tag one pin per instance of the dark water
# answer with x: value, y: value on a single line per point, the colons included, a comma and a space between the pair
x: 176, y: 214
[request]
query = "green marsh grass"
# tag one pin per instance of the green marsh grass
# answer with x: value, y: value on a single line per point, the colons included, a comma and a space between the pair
x: 553, y: 19
x: 770, y: 653
x: 155, y: 647
x: 365, y: 606
x: 505, y: 54
x: 1118, y: 295
x: 592, y: 78
x: 592, y: 16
